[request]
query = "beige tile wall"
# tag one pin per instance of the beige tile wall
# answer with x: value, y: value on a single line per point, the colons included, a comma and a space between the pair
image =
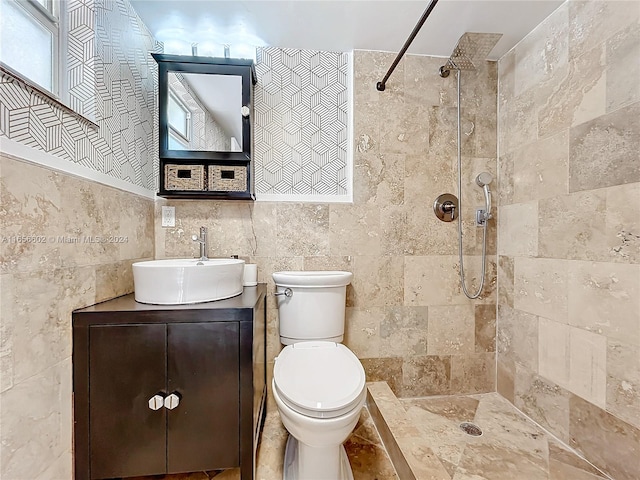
x: 569, y: 229
x: 407, y: 318
x: 48, y: 270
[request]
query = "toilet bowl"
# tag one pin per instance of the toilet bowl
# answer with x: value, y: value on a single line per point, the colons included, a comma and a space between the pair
x: 319, y: 389
x: 318, y: 383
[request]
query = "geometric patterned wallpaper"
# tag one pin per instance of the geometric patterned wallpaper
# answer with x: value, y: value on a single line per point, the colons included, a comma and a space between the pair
x: 301, y: 126
x: 113, y: 79
x: 126, y: 85
x: 81, y: 76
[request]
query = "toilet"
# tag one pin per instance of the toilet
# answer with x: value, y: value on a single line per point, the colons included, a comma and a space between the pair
x: 318, y: 383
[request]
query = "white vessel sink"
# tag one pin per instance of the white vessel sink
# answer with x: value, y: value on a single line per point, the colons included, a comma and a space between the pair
x: 182, y: 281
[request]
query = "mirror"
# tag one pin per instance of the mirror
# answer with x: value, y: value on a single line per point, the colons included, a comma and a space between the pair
x: 204, y: 112
x: 204, y: 107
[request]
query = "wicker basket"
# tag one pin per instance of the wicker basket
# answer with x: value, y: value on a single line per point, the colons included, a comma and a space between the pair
x: 184, y: 177
x: 227, y: 178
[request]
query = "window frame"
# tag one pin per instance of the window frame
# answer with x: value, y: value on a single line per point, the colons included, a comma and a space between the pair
x: 51, y: 18
x: 183, y: 139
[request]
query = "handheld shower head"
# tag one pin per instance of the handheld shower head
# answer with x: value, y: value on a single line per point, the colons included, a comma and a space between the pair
x: 485, y: 178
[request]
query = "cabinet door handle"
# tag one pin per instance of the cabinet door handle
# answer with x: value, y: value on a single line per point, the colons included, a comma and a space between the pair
x: 156, y: 402
x: 172, y: 401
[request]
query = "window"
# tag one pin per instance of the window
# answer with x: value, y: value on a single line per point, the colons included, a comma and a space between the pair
x: 179, y: 123
x: 30, y: 41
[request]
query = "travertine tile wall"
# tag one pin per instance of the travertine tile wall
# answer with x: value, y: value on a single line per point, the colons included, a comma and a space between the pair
x: 569, y: 230
x: 48, y: 268
x: 49, y: 265
x: 406, y: 316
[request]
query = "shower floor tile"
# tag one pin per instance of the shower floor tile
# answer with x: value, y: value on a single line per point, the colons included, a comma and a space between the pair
x: 511, y: 447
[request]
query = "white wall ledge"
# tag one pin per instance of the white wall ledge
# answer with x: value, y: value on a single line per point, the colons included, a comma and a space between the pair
x: 23, y: 152
x: 266, y: 197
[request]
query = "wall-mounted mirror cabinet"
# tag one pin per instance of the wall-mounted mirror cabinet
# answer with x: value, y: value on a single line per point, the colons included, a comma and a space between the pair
x: 205, y: 117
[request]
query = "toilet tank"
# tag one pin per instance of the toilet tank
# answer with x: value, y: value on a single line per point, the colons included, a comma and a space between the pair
x: 315, y: 307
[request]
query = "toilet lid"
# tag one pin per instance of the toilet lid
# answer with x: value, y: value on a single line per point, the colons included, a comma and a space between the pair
x: 319, y: 379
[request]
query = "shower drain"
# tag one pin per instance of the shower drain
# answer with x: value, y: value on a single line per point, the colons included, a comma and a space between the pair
x: 471, y: 429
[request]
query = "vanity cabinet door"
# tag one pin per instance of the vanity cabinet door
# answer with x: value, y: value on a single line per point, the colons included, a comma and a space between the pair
x: 127, y: 366
x: 203, y: 371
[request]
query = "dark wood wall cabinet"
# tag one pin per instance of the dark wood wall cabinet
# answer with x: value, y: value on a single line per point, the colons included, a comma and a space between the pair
x: 168, y: 389
x: 205, y: 127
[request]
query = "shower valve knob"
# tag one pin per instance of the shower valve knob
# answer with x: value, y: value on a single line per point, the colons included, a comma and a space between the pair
x: 450, y: 210
x: 446, y: 207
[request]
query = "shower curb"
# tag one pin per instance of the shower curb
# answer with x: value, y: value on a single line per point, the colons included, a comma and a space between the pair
x: 409, y: 456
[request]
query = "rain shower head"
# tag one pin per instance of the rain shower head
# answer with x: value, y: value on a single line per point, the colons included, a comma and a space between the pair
x: 471, y: 49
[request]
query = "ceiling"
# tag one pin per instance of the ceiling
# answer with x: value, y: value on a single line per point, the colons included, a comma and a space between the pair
x: 333, y: 25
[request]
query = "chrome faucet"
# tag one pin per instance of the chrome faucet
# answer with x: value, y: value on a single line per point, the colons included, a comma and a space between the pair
x: 202, y: 240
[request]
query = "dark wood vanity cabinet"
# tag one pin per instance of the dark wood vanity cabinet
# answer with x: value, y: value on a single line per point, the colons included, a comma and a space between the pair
x: 168, y: 389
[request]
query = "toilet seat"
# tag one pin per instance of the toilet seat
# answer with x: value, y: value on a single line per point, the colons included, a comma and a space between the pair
x: 319, y: 379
